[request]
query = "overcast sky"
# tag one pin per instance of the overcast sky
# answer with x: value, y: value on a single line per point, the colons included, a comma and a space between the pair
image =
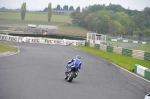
x: 41, y: 4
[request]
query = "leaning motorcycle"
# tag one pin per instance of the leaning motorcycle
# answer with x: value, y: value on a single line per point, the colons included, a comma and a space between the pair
x: 72, y: 73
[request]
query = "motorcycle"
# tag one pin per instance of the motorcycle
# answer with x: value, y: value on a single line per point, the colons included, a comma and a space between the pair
x: 72, y: 73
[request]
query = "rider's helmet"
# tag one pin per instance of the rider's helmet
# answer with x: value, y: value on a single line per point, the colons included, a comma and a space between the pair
x: 78, y: 56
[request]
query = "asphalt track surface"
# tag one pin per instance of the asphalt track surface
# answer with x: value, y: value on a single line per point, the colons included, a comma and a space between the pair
x: 124, y: 44
x: 37, y: 72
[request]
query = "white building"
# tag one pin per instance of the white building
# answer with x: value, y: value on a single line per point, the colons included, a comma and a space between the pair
x: 96, y: 38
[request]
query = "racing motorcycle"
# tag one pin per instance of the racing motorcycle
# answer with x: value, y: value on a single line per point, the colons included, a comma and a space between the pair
x: 72, y: 72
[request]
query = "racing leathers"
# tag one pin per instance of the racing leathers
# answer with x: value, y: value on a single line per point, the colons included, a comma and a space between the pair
x: 74, y: 62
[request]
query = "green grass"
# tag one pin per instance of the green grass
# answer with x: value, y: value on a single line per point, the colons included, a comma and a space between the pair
x: 60, y: 20
x: 4, y: 48
x: 5, y: 41
x: 33, y: 16
x: 144, y: 47
x: 121, y: 60
x: 115, y: 44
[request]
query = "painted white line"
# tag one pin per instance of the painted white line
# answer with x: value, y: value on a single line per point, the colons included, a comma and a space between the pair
x: 130, y: 72
x: 116, y: 65
x: 10, y: 53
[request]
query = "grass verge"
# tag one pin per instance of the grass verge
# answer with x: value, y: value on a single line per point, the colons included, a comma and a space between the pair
x: 10, y: 18
x: 144, y: 47
x: 121, y: 60
x: 4, y: 48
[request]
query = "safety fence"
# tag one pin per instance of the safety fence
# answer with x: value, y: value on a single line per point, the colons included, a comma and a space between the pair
x: 42, y: 40
x: 143, y: 71
x: 119, y: 50
x: 129, y: 41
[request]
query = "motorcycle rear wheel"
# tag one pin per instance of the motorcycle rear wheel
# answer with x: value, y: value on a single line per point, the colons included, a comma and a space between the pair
x: 71, y: 76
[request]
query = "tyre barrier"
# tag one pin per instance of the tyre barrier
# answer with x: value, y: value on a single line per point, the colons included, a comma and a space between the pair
x: 142, y: 55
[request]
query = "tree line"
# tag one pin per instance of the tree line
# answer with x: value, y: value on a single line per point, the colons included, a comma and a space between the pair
x: 114, y: 20
x: 65, y: 7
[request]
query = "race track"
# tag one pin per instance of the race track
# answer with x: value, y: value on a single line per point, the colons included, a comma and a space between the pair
x: 37, y: 72
x: 124, y: 44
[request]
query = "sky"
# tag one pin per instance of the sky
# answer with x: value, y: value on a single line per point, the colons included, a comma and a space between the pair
x: 41, y: 4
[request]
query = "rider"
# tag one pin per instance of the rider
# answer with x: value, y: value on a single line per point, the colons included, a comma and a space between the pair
x: 74, y: 61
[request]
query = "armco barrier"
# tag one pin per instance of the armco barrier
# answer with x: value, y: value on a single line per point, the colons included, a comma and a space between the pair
x: 140, y: 42
x: 42, y: 40
x: 145, y: 72
x: 130, y: 41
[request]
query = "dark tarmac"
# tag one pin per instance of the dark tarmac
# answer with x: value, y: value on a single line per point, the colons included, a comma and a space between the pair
x: 37, y: 72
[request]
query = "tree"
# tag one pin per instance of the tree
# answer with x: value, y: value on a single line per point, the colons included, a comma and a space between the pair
x: 139, y: 21
x: 89, y: 21
x: 132, y: 12
x: 99, y: 21
x: 147, y: 16
x: 49, y: 12
x: 71, y: 8
x: 58, y: 7
x: 45, y: 10
x: 65, y: 7
x: 115, y: 27
x: 3, y: 8
x: 78, y: 8
x: 125, y: 20
x: 104, y: 24
x: 113, y: 19
x: 76, y: 21
x: 115, y: 8
x: 95, y: 8
x: 147, y: 34
x: 23, y: 11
